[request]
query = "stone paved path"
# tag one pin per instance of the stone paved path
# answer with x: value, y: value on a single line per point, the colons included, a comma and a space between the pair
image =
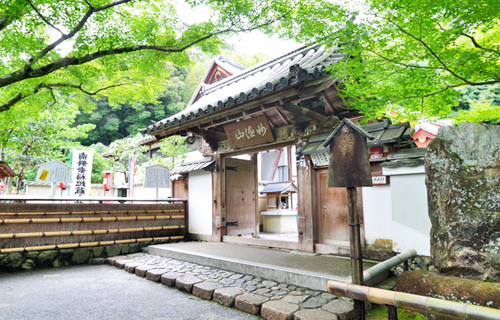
x: 250, y: 294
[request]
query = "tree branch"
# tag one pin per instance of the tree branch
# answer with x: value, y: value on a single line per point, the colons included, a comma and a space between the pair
x: 404, y: 64
x: 43, y: 18
x: 477, y: 45
x: 445, y: 67
x: 455, y: 86
x: 6, y: 106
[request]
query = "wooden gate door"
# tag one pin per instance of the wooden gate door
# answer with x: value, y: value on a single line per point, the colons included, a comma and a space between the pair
x: 240, y: 197
x: 332, y: 212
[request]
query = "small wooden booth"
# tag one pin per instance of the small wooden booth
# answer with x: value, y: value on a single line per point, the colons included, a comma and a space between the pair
x: 280, y: 216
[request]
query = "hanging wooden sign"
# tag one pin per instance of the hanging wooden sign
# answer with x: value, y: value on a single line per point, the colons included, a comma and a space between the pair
x: 349, y: 165
x: 249, y: 132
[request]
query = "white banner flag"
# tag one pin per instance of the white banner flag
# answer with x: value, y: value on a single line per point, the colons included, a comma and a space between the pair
x: 81, y: 161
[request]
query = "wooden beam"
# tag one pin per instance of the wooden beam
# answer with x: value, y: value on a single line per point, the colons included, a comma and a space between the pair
x: 309, y: 91
x: 304, y: 112
x: 275, y: 164
x: 211, y: 137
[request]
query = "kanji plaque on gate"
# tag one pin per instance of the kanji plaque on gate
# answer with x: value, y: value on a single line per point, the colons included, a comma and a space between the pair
x: 349, y: 164
x: 249, y: 132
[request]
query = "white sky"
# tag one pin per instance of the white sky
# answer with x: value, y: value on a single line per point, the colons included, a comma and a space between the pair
x: 249, y: 42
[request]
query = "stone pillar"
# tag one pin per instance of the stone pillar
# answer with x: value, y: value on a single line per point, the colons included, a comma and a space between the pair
x: 463, y: 189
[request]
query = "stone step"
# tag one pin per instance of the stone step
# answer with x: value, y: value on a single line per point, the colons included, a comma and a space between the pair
x: 270, y: 299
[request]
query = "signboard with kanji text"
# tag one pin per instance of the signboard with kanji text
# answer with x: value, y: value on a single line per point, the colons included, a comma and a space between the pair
x: 82, y: 162
x: 249, y: 132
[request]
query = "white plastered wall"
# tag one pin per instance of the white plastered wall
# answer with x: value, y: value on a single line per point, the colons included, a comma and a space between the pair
x: 411, y: 225
x: 377, y: 215
x: 200, y: 202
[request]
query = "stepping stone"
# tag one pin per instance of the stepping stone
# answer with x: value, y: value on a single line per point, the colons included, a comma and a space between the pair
x: 269, y: 284
x: 155, y: 274
x: 130, y: 267
x: 227, y: 296
x: 111, y: 260
x: 312, y: 293
x: 328, y: 296
x: 187, y: 282
x: 141, y: 271
x: 314, y: 302
x: 226, y: 281
x: 278, y: 310
x: 205, y: 290
x: 295, y: 299
x: 250, y: 303
x: 343, y: 309
x: 314, y: 314
x: 278, y: 293
x: 122, y: 262
x: 250, y: 288
x: 169, y: 278
x: 236, y: 276
x: 262, y: 291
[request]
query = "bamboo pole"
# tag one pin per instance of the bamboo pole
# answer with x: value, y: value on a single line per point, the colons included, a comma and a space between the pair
x: 96, y: 219
x: 87, y: 244
x: 87, y: 212
x: 85, y: 232
x: 422, y: 304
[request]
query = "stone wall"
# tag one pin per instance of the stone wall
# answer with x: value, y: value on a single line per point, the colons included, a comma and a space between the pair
x: 30, y: 260
x: 463, y: 189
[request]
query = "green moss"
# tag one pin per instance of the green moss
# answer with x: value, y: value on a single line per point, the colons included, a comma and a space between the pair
x: 455, y: 155
x: 379, y: 312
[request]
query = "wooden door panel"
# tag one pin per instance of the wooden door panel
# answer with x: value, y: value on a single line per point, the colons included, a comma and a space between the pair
x: 240, y: 197
x: 332, y: 211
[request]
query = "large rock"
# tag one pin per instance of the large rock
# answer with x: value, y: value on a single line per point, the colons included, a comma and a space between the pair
x: 80, y: 256
x: 463, y: 189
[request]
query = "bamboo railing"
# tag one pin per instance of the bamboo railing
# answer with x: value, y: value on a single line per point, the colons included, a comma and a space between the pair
x: 28, y: 227
x: 424, y: 305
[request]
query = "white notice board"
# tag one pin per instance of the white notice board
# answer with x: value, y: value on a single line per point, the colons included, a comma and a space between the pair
x: 157, y: 176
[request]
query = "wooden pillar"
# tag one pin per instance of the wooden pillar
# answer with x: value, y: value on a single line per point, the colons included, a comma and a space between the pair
x: 256, y: 194
x: 306, y: 185
x: 356, y: 254
x: 218, y: 199
x: 289, y: 163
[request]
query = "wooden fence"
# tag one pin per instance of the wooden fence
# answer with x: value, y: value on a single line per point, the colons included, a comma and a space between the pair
x: 33, y: 226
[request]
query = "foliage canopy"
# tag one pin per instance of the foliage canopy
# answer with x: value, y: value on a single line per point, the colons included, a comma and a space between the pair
x: 122, y: 48
x: 411, y: 55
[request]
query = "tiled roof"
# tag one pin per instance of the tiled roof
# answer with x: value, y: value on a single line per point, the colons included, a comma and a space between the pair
x: 305, y: 63
x: 384, y: 132
x: 5, y: 170
x: 279, y: 187
x: 193, y: 162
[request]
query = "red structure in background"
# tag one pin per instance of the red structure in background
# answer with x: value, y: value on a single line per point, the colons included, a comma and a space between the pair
x: 107, y: 182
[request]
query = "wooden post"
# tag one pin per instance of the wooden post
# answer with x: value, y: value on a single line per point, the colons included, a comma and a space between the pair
x: 356, y: 253
x: 349, y: 167
x: 392, y: 312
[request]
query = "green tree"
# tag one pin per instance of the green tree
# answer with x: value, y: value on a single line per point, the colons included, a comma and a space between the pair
x: 35, y: 140
x: 122, y: 49
x: 99, y: 163
x: 173, y: 149
x: 122, y: 149
x: 411, y: 56
x: 123, y: 120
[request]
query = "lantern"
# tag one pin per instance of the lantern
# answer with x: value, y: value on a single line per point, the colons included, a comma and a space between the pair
x: 107, y: 181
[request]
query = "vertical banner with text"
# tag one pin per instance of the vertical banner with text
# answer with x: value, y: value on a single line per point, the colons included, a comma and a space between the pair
x: 81, y: 161
x: 131, y: 175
